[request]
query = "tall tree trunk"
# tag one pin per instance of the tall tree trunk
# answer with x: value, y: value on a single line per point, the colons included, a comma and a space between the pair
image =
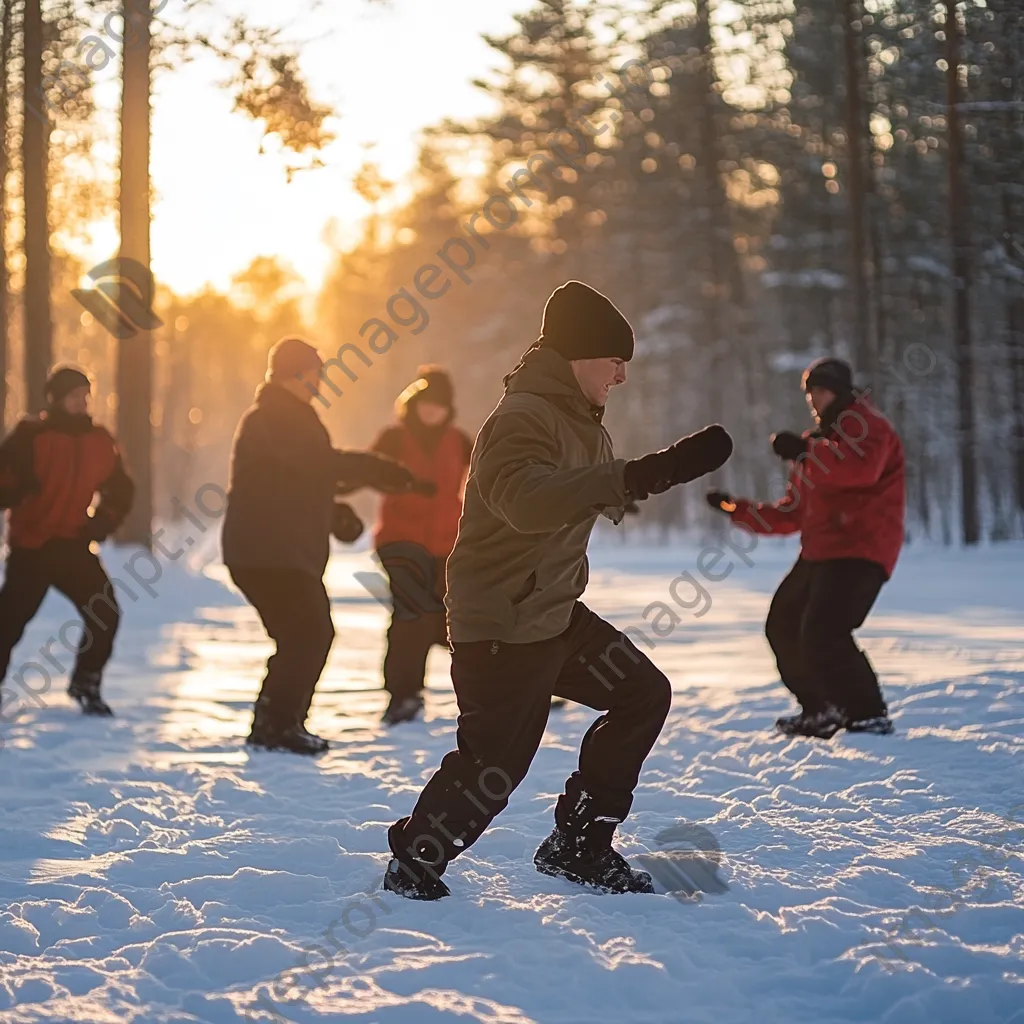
x: 5, y: 58
x: 35, y: 140
x: 135, y: 354
x: 959, y: 230
x: 723, y: 291
x: 1012, y: 31
x: 863, y: 347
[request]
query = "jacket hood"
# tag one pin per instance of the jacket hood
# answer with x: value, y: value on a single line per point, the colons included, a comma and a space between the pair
x: 542, y: 371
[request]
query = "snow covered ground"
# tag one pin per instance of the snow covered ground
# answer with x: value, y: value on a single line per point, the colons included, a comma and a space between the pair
x: 152, y: 870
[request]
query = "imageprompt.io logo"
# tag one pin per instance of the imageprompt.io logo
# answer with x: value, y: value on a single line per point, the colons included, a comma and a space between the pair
x: 686, y: 866
x: 121, y: 298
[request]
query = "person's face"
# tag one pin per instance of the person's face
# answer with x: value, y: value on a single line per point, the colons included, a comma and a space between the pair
x: 304, y: 385
x: 76, y: 401
x: 430, y: 413
x: 597, y: 377
x: 819, y: 399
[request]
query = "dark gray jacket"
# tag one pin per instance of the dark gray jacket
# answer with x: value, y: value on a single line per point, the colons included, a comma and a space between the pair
x: 284, y: 475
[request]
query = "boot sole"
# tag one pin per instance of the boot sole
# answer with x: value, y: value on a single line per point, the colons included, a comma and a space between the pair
x: 808, y: 735
x: 93, y: 712
x: 569, y: 876
x: 412, y: 895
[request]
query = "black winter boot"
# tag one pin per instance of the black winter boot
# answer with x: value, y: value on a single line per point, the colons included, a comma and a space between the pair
x: 569, y: 856
x: 270, y: 732
x: 787, y: 723
x: 821, y: 725
x: 580, y: 847
x: 402, y: 709
x: 85, y: 688
x: 414, y: 880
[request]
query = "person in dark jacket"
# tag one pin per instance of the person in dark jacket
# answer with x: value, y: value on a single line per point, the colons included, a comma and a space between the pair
x: 52, y: 467
x: 281, y: 511
x: 846, y: 497
x: 415, y: 533
x: 542, y: 471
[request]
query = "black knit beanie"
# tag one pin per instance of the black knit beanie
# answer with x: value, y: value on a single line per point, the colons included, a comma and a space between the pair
x: 581, y: 323
x: 433, y: 384
x: 830, y: 373
x: 62, y: 381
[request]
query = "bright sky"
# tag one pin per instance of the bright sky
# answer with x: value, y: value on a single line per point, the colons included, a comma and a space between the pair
x: 390, y: 70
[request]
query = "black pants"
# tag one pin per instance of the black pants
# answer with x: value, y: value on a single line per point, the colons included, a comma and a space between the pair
x: 417, y: 619
x: 810, y: 629
x: 296, y: 613
x: 70, y: 567
x: 504, y: 693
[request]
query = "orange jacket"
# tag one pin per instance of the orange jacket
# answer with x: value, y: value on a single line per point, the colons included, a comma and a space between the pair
x: 51, y: 468
x: 431, y: 522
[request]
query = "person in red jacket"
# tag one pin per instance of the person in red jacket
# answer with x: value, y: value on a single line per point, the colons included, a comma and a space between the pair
x: 52, y: 466
x: 846, y: 497
x: 415, y: 533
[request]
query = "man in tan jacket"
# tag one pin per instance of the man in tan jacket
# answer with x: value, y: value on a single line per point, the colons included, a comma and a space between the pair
x: 542, y: 471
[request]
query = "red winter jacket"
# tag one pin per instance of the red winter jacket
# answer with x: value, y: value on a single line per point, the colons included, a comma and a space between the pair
x: 431, y: 522
x: 846, y: 497
x: 51, y: 468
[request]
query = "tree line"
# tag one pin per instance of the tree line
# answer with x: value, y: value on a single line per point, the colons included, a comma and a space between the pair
x: 765, y: 181
x: 769, y: 180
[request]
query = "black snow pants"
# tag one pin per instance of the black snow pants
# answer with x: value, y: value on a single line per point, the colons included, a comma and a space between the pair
x: 417, y: 618
x: 810, y: 630
x: 504, y: 693
x: 70, y: 567
x: 296, y: 612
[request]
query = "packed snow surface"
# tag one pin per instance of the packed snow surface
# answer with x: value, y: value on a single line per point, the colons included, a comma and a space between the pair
x: 152, y: 870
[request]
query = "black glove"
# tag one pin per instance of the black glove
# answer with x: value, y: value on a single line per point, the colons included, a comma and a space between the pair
x: 427, y: 488
x: 368, y: 469
x: 721, y: 501
x: 346, y: 526
x: 788, y: 445
x: 98, y: 526
x: 686, y: 460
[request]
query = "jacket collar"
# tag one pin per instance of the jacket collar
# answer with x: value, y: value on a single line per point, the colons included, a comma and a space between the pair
x: 542, y: 371
x: 829, y: 418
x: 280, y: 398
x: 55, y: 418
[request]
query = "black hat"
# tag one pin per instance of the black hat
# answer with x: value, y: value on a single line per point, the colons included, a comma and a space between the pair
x: 433, y: 384
x: 438, y: 385
x: 62, y: 381
x: 581, y: 323
x: 830, y: 373
x: 291, y: 357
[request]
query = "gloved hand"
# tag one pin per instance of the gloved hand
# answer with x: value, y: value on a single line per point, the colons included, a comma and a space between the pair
x: 346, y: 526
x: 426, y: 488
x: 369, y: 469
x: 721, y: 501
x: 686, y: 460
x: 788, y: 445
x: 98, y: 526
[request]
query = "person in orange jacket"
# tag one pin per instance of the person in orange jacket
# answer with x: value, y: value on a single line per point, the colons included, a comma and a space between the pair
x: 415, y: 532
x: 52, y: 467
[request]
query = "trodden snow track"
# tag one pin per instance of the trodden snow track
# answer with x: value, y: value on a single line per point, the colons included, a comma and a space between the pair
x: 151, y: 870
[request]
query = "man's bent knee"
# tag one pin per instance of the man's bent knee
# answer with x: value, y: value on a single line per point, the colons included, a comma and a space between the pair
x: 656, y: 691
